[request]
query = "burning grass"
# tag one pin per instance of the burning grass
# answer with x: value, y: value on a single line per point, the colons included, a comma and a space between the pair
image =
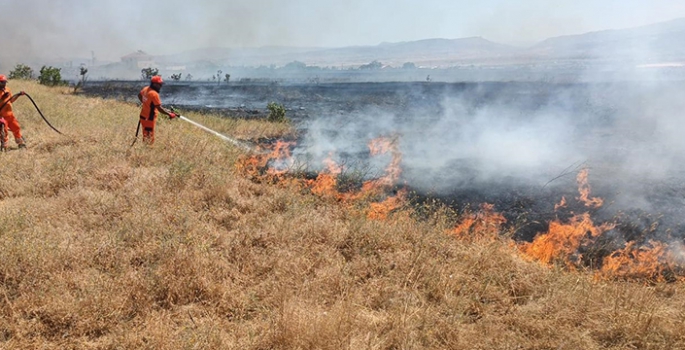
x: 279, y: 166
x: 571, y: 242
x: 103, y: 246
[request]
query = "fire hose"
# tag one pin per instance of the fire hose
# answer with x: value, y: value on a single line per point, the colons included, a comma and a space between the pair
x: 37, y: 109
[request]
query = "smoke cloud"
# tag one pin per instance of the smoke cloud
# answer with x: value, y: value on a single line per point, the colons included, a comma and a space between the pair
x: 489, y: 141
x: 74, y: 28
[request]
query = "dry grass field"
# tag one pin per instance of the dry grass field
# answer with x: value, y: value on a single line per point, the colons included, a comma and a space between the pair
x: 107, y: 246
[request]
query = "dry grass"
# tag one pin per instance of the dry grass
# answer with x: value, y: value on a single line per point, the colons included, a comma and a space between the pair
x: 103, y: 246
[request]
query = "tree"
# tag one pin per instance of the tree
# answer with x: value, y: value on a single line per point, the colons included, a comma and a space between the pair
x: 189, y: 77
x: 50, y: 76
x: 227, y: 77
x: 83, y: 71
x: 148, y: 73
x: 295, y: 65
x: 176, y: 77
x: 372, y: 65
x: 218, y: 76
x: 22, y: 72
x: 409, y: 65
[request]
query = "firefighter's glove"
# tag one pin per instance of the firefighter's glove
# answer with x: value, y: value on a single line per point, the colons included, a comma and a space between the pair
x: 173, y: 115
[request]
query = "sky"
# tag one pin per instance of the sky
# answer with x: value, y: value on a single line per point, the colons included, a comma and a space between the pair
x: 110, y: 29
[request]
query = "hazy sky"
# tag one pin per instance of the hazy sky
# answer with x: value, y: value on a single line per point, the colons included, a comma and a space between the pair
x: 68, y: 28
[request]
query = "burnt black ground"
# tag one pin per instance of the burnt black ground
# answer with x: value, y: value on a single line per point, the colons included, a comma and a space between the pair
x: 313, y: 100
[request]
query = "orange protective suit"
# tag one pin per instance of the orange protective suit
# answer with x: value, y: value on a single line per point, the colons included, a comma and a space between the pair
x: 148, y: 114
x: 3, y: 134
x: 10, y: 120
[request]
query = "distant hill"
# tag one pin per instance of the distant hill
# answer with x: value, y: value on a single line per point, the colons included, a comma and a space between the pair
x: 661, y: 42
x: 659, y: 45
x: 264, y: 55
x: 652, y: 43
x: 428, y: 51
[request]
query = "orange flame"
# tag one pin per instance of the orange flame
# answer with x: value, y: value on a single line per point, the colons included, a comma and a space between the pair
x: 281, y: 158
x: 380, y: 145
x: 562, y: 241
x: 584, y: 189
x: 383, y: 145
x: 326, y: 182
x: 248, y: 165
x: 561, y: 204
x: 324, y: 185
x: 484, y: 223
x: 644, y: 262
x: 380, y: 211
x: 275, y: 162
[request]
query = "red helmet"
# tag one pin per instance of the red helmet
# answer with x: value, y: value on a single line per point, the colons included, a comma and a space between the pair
x: 157, y: 80
x: 3, y: 77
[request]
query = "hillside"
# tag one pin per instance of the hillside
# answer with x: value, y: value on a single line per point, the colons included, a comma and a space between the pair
x: 657, y: 42
x: 107, y: 246
x: 420, y: 51
x: 652, y: 43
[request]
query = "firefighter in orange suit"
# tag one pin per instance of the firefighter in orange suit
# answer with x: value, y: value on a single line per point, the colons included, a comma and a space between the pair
x: 149, y: 97
x: 9, y: 121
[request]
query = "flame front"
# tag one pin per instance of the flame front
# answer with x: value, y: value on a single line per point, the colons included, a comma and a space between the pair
x: 562, y: 241
x: 380, y: 211
x: 646, y: 262
x: 281, y: 159
x: 326, y: 182
x: 383, y: 145
x: 484, y: 223
x: 276, y: 163
x: 561, y: 204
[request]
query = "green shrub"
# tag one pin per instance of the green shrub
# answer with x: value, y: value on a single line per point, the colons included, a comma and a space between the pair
x: 22, y: 72
x: 276, y: 113
x: 51, y: 76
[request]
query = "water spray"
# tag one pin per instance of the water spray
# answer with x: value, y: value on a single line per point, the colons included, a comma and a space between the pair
x: 222, y: 136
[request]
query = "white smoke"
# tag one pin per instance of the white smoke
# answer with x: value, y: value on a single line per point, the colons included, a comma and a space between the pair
x: 629, y: 133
